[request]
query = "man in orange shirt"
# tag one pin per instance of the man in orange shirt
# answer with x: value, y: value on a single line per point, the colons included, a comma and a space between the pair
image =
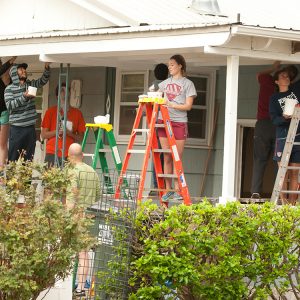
x: 74, y: 131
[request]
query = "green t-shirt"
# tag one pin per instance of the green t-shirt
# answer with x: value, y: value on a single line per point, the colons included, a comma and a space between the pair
x: 85, y: 186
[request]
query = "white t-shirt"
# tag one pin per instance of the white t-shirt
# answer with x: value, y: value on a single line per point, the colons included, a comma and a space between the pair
x: 177, y: 90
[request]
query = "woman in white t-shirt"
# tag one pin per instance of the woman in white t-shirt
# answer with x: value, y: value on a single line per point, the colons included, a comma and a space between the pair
x: 179, y: 93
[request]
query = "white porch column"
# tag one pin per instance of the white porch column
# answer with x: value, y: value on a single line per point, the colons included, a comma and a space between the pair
x: 230, y: 126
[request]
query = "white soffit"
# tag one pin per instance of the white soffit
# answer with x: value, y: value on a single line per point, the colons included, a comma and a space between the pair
x: 115, y: 46
x: 258, y: 43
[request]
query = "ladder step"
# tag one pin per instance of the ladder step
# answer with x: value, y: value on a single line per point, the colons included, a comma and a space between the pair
x: 290, y: 192
x: 162, y: 150
x: 159, y: 125
x: 88, y: 154
x: 141, y: 130
x: 167, y: 175
x: 160, y: 190
x: 293, y: 168
x: 136, y: 151
x: 106, y: 150
x: 296, y: 143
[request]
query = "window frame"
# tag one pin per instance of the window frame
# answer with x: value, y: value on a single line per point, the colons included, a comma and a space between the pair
x: 123, y: 138
x: 210, y: 74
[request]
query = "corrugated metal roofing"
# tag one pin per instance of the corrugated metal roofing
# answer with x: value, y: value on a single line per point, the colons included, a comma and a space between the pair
x: 157, y: 15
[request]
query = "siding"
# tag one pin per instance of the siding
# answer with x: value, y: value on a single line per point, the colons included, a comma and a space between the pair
x: 93, y: 103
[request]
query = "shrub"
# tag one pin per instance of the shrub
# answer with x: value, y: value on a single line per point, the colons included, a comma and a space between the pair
x: 38, y: 241
x: 216, y: 252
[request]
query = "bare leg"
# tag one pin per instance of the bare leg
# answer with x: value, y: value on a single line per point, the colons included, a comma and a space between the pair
x: 293, y: 184
x: 3, y: 145
x: 283, y: 196
x: 168, y: 162
x: 83, y: 269
x: 180, y: 147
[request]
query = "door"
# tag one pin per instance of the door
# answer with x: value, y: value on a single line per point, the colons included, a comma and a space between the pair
x: 245, y: 164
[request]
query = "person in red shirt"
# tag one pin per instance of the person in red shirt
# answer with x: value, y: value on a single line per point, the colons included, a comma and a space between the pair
x: 264, y: 131
x: 75, y: 128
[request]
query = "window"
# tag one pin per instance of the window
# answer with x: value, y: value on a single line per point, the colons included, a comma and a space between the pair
x: 200, y: 119
x: 129, y: 86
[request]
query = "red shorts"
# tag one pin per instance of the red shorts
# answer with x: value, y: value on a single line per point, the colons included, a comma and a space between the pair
x: 180, y: 130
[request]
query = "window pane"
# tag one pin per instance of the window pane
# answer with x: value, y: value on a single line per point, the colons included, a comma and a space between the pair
x: 197, y: 123
x: 130, y: 97
x: 132, y: 87
x: 200, y: 83
x: 201, y: 98
x: 127, y: 117
x: 132, y: 81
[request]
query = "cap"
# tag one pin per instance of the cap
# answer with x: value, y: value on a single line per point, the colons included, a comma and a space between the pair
x: 23, y: 65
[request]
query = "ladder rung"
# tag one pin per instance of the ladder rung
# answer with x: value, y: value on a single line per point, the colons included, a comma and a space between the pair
x: 106, y: 150
x: 136, y: 151
x: 88, y: 154
x: 296, y: 143
x: 159, y: 125
x: 293, y: 168
x: 141, y: 130
x: 162, y: 150
x: 160, y: 190
x: 290, y: 192
x: 167, y: 175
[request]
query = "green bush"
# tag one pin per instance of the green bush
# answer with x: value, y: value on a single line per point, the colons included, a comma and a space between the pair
x: 38, y: 239
x: 216, y: 252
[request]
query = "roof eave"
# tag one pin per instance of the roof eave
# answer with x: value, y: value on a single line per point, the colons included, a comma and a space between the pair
x: 269, y: 32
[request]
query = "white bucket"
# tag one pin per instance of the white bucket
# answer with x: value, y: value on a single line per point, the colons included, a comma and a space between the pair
x: 289, y: 106
x: 154, y: 94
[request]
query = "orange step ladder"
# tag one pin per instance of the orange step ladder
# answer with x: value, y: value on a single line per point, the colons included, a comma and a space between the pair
x: 151, y: 106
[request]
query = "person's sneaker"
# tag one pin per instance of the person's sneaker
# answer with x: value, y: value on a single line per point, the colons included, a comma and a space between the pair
x: 255, y: 196
x: 80, y: 293
x: 177, y: 197
x: 166, y: 197
x: 153, y: 194
x: 87, y: 284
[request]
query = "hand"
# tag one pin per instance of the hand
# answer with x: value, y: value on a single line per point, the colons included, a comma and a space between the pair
x: 287, y: 116
x: 11, y: 61
x: 26, y: 95
x: 276, y: 65
x: 47, y: 65
x: 168, y: 103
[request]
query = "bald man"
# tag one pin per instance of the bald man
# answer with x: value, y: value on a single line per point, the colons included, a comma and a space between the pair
x: 85, y: 192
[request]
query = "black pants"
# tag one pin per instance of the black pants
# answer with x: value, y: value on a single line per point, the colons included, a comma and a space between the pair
x: 264, y: 142
x: 50, y: 160
x: 21, y: 142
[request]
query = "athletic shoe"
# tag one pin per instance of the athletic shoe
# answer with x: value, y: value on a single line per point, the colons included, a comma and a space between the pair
x: 177, y: 197
x: 166, y: 197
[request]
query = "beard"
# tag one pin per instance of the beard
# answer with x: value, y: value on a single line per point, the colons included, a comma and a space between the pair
x: 23, y: 78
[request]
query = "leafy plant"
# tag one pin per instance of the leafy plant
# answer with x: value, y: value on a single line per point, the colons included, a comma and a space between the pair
x: 39, y: 240
x: 216, y: 252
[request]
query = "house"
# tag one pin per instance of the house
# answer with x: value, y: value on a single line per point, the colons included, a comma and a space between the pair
x: 113, y: 46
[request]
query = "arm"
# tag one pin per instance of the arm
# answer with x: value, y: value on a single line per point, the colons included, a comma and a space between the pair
x: 184, y: 107
x: 46, y: 134
x: 77, y: 136
x: 44, y: 79
x: 7, y: 65
x: 273, y: 68
x: 79, y: 129
x: 13, y: 102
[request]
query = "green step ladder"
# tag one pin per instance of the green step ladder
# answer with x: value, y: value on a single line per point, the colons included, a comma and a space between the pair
x: 100, y: 152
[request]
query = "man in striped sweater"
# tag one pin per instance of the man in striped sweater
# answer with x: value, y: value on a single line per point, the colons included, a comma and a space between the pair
x: 22, y: 113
